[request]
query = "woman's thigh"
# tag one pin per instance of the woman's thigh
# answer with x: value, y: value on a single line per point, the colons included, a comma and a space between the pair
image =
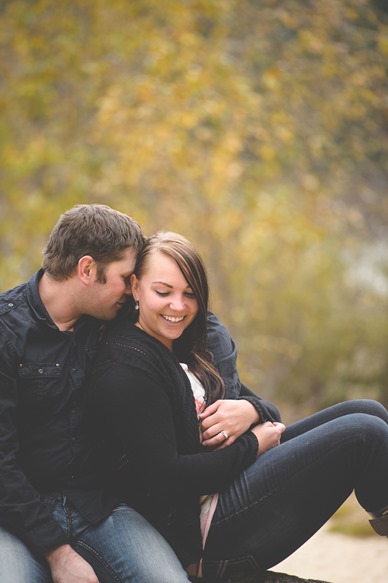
x: 18, y: 564
x: 292, y: 490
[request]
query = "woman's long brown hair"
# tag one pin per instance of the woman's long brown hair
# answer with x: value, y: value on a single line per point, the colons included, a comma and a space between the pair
x: 191, y: 347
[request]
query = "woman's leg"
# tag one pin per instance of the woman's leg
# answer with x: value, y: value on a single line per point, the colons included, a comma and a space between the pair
x: 292, y: 490
x: 367, y: 406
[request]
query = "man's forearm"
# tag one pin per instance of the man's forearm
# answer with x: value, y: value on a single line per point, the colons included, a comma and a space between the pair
x: 67, y: 566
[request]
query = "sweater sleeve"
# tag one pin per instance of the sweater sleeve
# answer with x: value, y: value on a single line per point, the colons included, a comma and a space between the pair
x: 135, y: 414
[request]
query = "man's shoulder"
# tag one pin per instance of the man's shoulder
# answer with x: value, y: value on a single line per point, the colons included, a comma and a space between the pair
x: 12, y: 298
x: 12, y: 312
x: 25, y: 293
x: 19, y: 312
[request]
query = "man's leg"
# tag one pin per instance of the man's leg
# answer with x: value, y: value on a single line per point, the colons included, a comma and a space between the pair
x: 124, y: 547
x: 18, y: 564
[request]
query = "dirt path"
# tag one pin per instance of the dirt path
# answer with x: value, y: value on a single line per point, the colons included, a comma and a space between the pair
x: 340, y: 558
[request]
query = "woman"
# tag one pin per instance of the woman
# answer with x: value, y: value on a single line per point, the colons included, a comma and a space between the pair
x: 247, y: 503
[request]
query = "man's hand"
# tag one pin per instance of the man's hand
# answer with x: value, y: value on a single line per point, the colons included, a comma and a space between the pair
x: 268, y: 434
x: 234, y: 417
x: 67, y: 566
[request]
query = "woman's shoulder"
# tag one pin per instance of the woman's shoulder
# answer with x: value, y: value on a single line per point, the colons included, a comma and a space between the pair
x: 131, y: 344
x: 121, y: 327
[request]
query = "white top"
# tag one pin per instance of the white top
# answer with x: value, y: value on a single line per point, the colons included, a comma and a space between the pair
x: 197, y: 388
x: 208, y: 502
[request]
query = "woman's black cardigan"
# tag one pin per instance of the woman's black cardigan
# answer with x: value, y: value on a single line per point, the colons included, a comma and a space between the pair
x: 142, y: 403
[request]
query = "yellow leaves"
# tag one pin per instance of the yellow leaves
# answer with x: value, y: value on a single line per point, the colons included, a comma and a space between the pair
x: 109, y: 106
x: 382, y: 41
x: 310, y: 42
x: 271, y: 78
x: 256, y: 129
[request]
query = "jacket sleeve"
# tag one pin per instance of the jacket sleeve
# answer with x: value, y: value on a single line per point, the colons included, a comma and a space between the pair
x: 224, y: 353
x: 134, y: 413
x: 267, y: 410
x: 21, y: 509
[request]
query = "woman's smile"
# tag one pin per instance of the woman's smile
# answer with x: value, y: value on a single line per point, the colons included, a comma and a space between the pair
x: 173, y: 319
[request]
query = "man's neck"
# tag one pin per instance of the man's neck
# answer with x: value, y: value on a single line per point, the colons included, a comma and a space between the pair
x: 57, y: 297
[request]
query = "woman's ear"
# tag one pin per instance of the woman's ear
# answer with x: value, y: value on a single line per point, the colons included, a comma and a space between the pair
x: 135, y: 287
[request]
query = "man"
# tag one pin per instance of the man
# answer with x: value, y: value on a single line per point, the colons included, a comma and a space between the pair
x: 58, y: 520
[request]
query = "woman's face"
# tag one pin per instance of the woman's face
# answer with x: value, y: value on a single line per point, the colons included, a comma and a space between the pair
x: 167, y: 304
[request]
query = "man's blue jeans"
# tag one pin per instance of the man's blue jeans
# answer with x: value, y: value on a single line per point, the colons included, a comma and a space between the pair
x: 124, y: 548
x: 289, y: 492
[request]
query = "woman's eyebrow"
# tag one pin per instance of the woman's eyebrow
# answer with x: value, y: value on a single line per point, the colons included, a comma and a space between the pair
x: 162, y: 283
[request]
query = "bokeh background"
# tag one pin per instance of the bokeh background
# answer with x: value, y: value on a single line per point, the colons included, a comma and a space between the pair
x: 257, y: 128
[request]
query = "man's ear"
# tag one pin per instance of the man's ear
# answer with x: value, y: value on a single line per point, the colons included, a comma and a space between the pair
x: 86, y: 269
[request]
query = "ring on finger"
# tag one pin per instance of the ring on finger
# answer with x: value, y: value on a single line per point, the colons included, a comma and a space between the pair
x: 225, y: 434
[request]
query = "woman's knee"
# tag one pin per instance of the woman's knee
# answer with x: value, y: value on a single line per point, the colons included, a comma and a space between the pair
x: 365, y: 406
x: 371, y: 429
x: 372, y: 407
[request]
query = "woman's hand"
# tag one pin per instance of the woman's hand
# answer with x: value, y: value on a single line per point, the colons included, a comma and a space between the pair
x: 234, y: 417
x: 268, y: 434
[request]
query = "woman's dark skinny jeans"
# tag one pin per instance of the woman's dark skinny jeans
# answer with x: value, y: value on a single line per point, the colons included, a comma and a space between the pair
x: 289, y: 492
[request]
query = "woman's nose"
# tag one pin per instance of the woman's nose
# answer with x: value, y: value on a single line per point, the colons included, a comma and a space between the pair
x: 177, y: 303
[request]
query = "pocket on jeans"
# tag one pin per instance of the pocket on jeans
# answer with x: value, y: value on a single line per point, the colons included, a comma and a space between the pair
x: 223, y: 569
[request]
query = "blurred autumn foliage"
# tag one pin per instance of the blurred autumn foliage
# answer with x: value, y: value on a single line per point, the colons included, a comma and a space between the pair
x: 257, y: 128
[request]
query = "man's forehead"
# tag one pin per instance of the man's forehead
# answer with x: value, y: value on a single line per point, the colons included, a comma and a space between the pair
x: 127, y: 260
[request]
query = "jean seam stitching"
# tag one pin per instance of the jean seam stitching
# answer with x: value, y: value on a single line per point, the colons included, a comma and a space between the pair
x: 99, y: 557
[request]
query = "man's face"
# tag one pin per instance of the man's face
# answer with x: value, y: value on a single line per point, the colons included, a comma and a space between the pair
x: 107, y: 298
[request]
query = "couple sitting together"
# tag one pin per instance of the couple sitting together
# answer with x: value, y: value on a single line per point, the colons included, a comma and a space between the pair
x: 161, y: 466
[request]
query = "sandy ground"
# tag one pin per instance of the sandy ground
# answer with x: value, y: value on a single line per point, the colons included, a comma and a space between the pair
x: 338, y: 558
